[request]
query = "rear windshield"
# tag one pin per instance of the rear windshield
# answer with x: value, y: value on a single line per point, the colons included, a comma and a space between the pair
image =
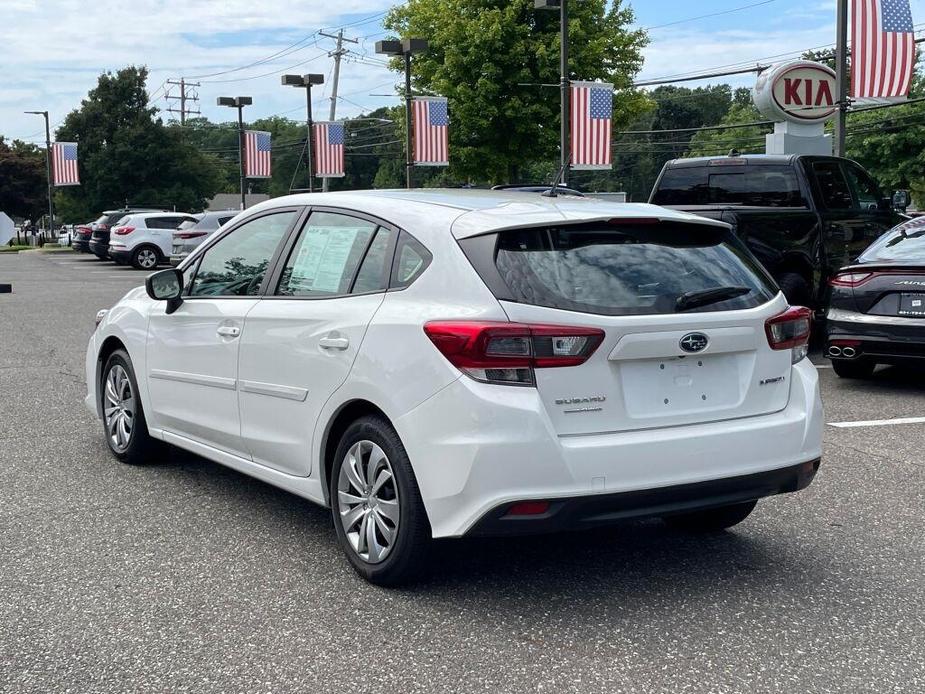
x: 627, y: 269
x: 905, y: 243
x: 761, y: 186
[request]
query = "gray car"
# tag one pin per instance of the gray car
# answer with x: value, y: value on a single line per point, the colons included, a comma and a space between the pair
x: 189, y: 235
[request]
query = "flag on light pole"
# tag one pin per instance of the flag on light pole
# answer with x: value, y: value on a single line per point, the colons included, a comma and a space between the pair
x: 64, y: 164
x: 257, y: 151
x: 329, y: 149
x: 592, y: 108
x: 882, y: 48
x: 431, y: 124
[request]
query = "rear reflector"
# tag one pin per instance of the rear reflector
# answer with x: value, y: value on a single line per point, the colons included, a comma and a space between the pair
x: 528, y: 508
x: 507, y: 353
x: 790, y: 330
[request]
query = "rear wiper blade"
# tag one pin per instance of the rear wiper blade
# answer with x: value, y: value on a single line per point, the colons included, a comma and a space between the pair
x: 704, y: 297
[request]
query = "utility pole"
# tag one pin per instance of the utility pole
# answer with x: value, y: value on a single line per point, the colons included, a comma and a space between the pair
x: 337, y: 53
x: 51, y: 207
x: 841, y: 75
x: 188, y: 94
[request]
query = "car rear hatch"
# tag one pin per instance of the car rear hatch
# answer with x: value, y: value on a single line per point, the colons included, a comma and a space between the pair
x: 682, y: 310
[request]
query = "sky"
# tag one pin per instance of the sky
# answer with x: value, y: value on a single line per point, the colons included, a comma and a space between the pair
x: 53, y: 50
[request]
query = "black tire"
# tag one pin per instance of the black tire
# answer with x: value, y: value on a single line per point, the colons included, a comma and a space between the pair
x: 856, y: 368
x: 711, y: 519
x: 140, y: 447
x: 406, y: 557
x: 795, y: 288
x: 140, y: 258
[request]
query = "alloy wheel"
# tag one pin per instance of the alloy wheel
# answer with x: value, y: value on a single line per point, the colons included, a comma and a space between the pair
x: 119, y: 408
x: 147, y: 258
x: 367, y: 501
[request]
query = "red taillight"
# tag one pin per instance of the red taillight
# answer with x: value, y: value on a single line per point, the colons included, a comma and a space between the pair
x: 850, y: 279
x: 507, y: 353
x: 790, y: 330
x: 123, y: 231
x: 189, y: 234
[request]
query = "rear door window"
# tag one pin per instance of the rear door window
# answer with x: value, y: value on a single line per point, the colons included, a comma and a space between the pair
x: 626, y: 269
x: 326, y: 256
x: 833, y: 188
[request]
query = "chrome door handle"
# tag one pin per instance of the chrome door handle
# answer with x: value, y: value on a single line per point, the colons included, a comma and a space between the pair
x: 228, y: 331
x: 334, y: 342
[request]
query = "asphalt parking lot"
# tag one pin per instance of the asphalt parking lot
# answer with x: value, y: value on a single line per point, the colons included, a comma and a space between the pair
x: 186, y: 576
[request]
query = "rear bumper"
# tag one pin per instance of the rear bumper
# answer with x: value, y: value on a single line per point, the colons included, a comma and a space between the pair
x: 477, y: 448
x: 80, y: 245
x: 576, y: 513
x: 884, y: 339
x: 120, y: 256
x: 99, y: 248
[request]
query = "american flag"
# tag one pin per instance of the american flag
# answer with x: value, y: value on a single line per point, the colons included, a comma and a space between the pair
x: 431, y: 121
x: 257, y: 150
x: 592, y: 107
x: 329, y: 149
x: 882, y: 48
x: 64, y: 164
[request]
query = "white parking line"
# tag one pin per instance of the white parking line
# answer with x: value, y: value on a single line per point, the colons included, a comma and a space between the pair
x: 878, y: 422
x: 823, y: 366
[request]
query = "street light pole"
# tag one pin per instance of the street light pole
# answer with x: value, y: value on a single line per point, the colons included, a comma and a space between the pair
x: 306, y: 81
x: 238, y: 102
x: 405, y: 48
x: 241, y: 155
x: 841, y: 75
x: 409, y: 157
x: 564, y: 85
x: 51, y: 208
x: 564, y: 145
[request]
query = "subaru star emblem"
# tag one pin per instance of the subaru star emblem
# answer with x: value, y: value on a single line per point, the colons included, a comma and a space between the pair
x: 694, y: 342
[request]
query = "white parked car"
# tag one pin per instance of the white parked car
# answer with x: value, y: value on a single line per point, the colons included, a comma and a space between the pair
x: 445, y: 363
x: 145, y: 239
x: 190, y: 234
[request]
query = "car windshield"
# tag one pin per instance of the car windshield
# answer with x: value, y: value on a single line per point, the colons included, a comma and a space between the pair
x: 904, y: 243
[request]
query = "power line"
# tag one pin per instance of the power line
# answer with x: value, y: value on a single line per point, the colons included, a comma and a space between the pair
x: 712, y: 14
x: 263, y: 60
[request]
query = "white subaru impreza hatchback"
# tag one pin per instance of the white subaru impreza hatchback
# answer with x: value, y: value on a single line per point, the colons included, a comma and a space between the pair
x: 436, y: 364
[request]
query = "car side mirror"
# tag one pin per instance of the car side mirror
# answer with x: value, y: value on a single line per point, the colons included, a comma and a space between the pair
x: 900, y: 200
x: 166, y: 285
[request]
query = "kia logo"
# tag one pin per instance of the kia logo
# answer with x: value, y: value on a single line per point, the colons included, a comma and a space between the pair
x: 694, y: 342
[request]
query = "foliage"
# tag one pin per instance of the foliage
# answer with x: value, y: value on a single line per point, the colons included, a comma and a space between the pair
x: 128, y: 156
x: 746, y: 139
x: 890, y: 144
x: 23, y: 183
x: 489, y: 58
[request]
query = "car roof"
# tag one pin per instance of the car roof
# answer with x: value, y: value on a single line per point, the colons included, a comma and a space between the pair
x: 468, y: 212
x: 157, y: 215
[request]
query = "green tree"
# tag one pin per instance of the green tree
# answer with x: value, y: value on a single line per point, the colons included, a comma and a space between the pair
x: 128, y: 155
x: 890, y: 143
x: 23, y: 184
x: 488, y: 58
x: 748, y: 139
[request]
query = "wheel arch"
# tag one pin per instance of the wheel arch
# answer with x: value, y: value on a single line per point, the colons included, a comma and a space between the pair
x: 109, y: 345
x: 342, y: 418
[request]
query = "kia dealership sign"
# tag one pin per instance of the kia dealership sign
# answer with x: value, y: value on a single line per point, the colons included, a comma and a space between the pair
x: 800, y: 92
